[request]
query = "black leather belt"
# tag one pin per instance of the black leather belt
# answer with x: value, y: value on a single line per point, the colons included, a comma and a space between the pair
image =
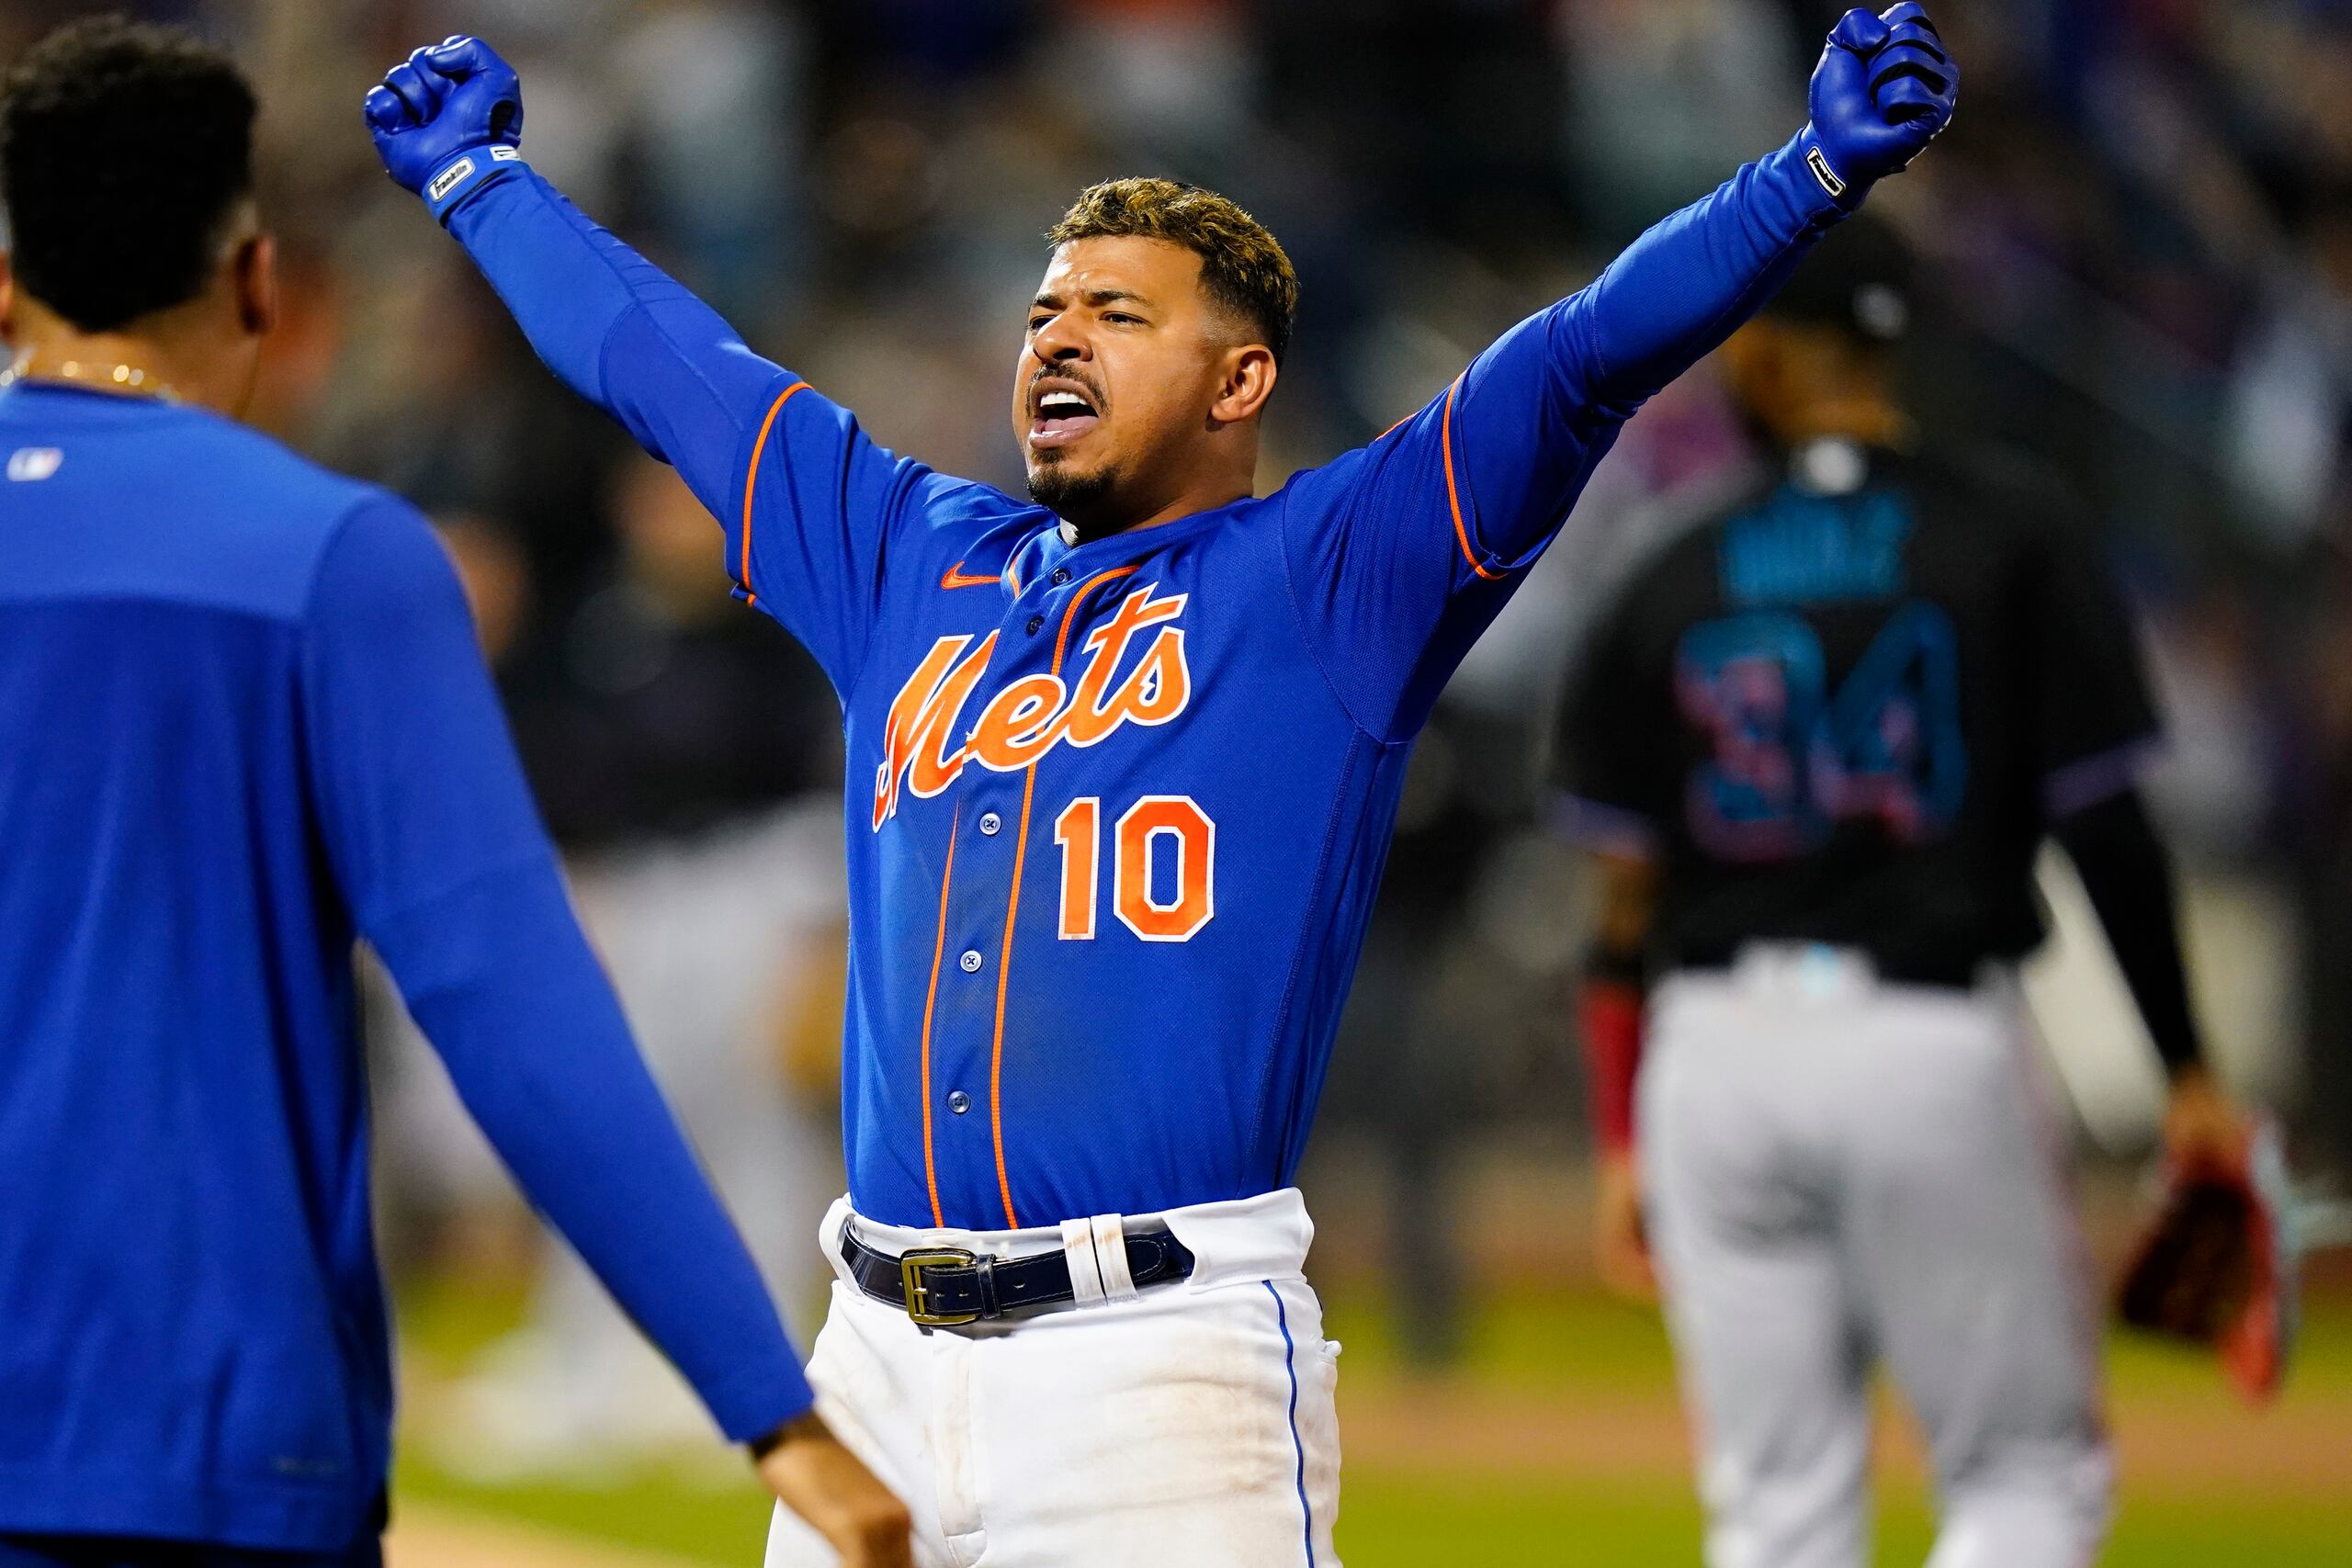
x: 939, y: 1287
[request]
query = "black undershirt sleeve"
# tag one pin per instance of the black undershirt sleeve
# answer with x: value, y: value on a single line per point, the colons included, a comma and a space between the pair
x: 2128, y: 874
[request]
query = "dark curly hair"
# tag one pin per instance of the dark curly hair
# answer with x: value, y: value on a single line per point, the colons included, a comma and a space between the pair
x: 124, y: 151
x: 1242, y: 265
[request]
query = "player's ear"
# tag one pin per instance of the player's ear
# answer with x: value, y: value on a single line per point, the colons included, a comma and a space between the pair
x: 254, y: 269
x: 1248, y: 380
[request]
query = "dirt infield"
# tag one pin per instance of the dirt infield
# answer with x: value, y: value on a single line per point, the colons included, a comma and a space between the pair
x: 2180, y: 1446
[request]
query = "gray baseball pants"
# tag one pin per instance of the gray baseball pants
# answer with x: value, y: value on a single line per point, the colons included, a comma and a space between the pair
x: 1842, y: 1174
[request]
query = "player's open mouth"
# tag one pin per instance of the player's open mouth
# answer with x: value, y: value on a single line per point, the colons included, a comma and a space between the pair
x: 1059, y: 414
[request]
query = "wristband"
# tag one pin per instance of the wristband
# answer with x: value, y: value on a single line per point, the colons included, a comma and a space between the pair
x: 1609, y: 1015
x: 466, y: 173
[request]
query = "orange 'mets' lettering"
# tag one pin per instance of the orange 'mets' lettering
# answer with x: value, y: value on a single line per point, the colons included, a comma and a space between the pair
x: 1034, y: 714
x: 924, y: 711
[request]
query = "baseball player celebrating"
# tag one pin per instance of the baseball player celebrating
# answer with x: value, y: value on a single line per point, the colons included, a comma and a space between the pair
x: 1123, y: 757
x: 1818, y: 742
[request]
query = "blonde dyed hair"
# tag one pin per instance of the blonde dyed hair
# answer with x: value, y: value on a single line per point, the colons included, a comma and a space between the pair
x: 1243, y: 266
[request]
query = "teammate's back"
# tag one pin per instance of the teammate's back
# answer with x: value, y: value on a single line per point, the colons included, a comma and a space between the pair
x: 176, y: 995
x: 246, y: 721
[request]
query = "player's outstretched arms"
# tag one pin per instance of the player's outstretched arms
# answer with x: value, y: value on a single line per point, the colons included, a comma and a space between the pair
x: 1883, y: 88
x: 1524, y: 428
x: 448, y: 122
x: 624, y: 334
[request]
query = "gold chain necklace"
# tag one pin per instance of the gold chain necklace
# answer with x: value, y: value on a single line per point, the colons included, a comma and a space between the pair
x: 126, y: 378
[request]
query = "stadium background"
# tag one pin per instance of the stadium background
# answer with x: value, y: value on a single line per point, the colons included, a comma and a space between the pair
x: 2139, y: 242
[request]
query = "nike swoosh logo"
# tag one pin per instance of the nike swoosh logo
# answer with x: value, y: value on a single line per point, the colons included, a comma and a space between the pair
x: 957, y: 578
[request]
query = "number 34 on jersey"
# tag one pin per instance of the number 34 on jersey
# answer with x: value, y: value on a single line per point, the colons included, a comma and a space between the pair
x: 1161, y: 854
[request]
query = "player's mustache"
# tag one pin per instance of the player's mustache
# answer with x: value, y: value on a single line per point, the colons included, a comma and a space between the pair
x: 1063, y: 373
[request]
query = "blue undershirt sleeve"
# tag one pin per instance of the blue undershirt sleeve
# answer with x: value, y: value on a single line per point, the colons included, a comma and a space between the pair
x: 806, y: 498
x: 430, y: 831
x: 1402, y: 552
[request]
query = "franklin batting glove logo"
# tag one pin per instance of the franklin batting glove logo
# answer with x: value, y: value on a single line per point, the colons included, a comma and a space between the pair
x: 449, y: 179
x: 1823, y: 171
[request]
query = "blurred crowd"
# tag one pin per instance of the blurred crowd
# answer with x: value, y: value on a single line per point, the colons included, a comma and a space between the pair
x: 2139, y: 241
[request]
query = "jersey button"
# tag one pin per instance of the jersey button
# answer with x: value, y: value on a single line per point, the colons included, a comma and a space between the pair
x: 990, y: 822
x: 1034, y: 622
x: 970, y: 961
x: 1061, y: 575
x: 959, y: 1102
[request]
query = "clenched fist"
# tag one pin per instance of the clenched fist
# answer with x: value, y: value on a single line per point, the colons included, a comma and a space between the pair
x: 1884, y: 88
x: 446, y: 119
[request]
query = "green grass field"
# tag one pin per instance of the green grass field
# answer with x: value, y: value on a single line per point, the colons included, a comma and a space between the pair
x: 1391, y: 1520
x: 2204, y: 1482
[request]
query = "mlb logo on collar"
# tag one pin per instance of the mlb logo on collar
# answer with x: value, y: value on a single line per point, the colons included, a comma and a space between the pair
x: 30, y: 464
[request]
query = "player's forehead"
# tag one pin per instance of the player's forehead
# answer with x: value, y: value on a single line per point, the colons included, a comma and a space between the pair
x: 1109, y: 269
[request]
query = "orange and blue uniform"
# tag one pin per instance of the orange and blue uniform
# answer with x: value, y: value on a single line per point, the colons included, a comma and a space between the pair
x: 1117, y: 808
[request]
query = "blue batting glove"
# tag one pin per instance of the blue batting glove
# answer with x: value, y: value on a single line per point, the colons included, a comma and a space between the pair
x: 1884, y: 88
x: 447, y: 121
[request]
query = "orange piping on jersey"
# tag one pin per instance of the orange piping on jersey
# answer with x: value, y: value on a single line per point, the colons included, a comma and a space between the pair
x: 957, y: 577
x: 751, y: 478
x: 1061, y: 641
x: 1453, y: 497
x: 939, y: 949
x: 1011, y: 910
x: 1003, y: 974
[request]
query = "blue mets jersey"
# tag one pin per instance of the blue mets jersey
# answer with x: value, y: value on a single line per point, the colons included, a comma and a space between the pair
x: 245, y: 723
x: 1117, y: 809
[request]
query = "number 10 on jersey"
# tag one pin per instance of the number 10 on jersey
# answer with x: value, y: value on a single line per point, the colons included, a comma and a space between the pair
x: 1163, y: 843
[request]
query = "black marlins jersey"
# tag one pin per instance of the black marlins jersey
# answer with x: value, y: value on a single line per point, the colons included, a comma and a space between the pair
x: 1846, y: 708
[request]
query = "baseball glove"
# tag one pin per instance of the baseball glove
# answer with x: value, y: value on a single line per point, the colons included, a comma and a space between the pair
x: 2217, y: 1266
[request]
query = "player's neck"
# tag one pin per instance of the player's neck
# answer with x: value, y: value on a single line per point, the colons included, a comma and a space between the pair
x: 1135, y: 508
x: 1176, y: 511
x: 174, y: 355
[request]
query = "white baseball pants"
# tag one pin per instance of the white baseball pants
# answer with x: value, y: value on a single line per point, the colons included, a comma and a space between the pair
x: 1841, y: 1173
x: 1189, y: 1425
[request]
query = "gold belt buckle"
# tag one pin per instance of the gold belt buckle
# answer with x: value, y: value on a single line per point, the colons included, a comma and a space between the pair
x: 912, y: 1266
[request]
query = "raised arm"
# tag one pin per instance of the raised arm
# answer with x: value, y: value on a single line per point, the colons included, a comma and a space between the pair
x: 1883, y: 89
x: 1415, y: 542
x: 612, y: 326
x: 806, y: 540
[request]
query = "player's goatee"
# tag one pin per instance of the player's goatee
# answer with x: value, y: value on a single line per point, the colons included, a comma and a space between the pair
x: 1053, y: 486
